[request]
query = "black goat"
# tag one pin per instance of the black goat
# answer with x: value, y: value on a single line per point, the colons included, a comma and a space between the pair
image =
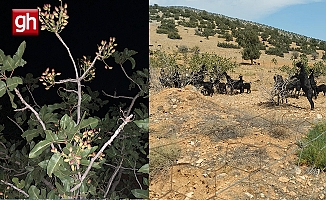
x: 294, y: 86
x: 234, y: 84
x: 305, y: 84
x: 221, y: 88
x: 247, y: 86
x: 321, y: 88
x: 313, y: 83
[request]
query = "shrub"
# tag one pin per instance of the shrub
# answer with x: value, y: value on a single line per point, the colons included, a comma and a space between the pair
x: 174, y: 35
x: 228, y: 45
x: 313, y: 151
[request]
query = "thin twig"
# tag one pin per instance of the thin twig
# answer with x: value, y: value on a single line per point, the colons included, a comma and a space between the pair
x: 117, y: 97
x: 32, y: 96
x: 141, y: 187
x: 70, y: 90
x: 16, y: 124
x: 49, y: 184
x: 72, y: 59
x: 112, y: 178
x: 30, y: 107
x: 16, y: 188
x: 71, y: 80
x: 126, y: 121
x: 124, y: 71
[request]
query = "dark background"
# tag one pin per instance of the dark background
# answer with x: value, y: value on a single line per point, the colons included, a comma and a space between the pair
x: 90, y: 21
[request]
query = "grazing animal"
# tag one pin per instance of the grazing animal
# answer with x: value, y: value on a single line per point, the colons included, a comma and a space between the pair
x: 305, y: 84
x: 221, y: 88
x: 321, y: 88
x: 234, y: 84
x: 313, y: 83
x: 294, y: 86
x: 247, y: 86
x: 280, y: 90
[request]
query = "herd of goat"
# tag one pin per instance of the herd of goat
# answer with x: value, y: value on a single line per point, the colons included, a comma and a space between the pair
x: 283, y: 88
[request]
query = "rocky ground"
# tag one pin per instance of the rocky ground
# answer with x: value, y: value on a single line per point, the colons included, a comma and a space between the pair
x: 232, y: 146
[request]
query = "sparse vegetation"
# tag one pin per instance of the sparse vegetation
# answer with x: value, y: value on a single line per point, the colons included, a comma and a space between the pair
x: 314, y: 151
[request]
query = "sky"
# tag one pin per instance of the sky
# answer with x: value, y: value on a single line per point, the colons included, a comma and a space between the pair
x: 305, y: 17
x: 89, y: 22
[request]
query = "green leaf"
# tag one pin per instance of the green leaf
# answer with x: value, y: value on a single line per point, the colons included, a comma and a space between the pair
x: 13, y: 82
x: 15, y: 180
x: 60, y: 188
x: 21, y: 49
x: 66, y: 122
x: 54, y: 163
x: 34, y: 192
x: 8, y: 64
x: 11, y: 97
x: 51, y: 194
x: 2, y: 88
x: 50, y: 136
x: 141, y: 194
x: 2, y: 57
x: 86, y: 163
x: 144, y: 169
x: 143, y: 124
x: 90, y: 122
x: 30, y: 134
x: 29, y: 168
x: 39, y: 148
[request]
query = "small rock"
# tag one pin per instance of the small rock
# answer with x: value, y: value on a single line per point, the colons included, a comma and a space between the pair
x: 292, y: 193
x: 321, y: 196
x: 199, y: 161
x: 283, y: 179
x: 297, y: 170
x: 189, y: 195
x: 262, y: 195
x: 319, y: 116
x: 221, y: 175
x: 249, y: 195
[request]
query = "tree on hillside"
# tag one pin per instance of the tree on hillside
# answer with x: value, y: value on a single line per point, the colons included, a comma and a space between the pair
x: 249, y: 40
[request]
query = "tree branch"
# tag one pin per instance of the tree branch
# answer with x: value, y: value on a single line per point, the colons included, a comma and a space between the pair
x: 113, y: 177
x: 15, y: 123
x: 30, y: 107
x: 16, y: 188
x: 126, y: 121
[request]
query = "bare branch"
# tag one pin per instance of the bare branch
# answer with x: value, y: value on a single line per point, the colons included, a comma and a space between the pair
x: 15, y: 123
x: 136, y: 176
x: 30, y: 107
x: 72, y: 80
x: 124, y: 71
x: 16, y: 188
x: 113, y: 177
x: 32, y: 96
x: 49, y: 184
x: 72, y: 59
x: 117, y: 97
x: 126, y: 121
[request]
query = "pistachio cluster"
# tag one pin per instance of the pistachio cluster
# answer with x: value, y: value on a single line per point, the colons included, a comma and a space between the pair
x: 84, y: 64
x: 55, y: 21
x: 48, y: 78
x: 72, y: 159
x: 106, y: 49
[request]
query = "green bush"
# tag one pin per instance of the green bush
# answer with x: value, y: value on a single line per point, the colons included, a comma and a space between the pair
x: 174, y: 35
x: 228, y: 45
x: 313, y: 152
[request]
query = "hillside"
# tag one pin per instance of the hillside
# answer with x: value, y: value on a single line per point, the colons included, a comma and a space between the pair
x: 228, y: 147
